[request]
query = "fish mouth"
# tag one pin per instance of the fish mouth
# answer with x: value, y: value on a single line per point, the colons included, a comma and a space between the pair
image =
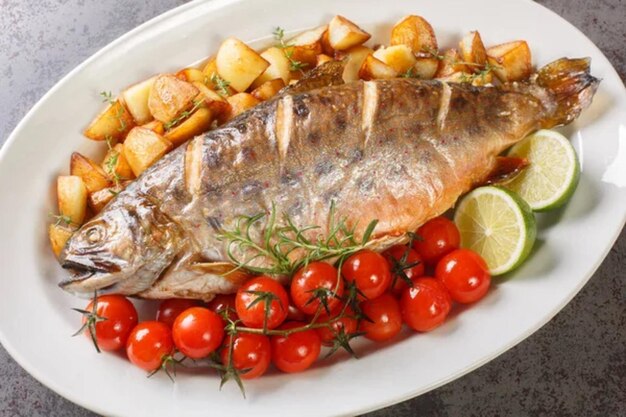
x: 85, y: 273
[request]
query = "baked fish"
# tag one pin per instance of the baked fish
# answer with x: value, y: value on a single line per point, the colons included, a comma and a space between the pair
x: 400, y: 151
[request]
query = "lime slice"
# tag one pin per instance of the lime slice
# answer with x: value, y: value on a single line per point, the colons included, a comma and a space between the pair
x: 498, y: 225
x: 552, y: 176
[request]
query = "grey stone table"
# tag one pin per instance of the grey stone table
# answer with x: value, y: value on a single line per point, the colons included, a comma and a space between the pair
x: 574, y: 366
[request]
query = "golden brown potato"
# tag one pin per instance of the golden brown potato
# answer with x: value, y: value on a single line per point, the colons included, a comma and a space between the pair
x: 305, y: 47
x: 155, y: 126
x: 416, y: 33
x: 72, y: 198
x: 279, y: 67
x: 450, y: 64
x: 239, y: 64
x: 143, y: 147
x: 425, y: 66
x: 169, y: 96
x: 94, y: 177
x: 344, y: 34
x: 116, y: 165
x: 310, y: 38
x: 398, y: 57
x: 511, y: 61
x: 268, y: 89
x: 210, y: 67
x: 101, y: 198
x: 473, y: 51
x: 192, y: 75
x: 354, y: 58
x: 114, y: 123
x: 136, y: 100
x: 213, y: 101
x: 322, y: 59
x: 199, y: 122
x: 326, y: 48
x: 59, y: 235
x: 375, y: 69
x: 240, y: 103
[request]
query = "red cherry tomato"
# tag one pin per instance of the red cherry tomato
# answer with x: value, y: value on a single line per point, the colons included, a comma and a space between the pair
x: 426, y: 305
x: 148, y: 344
x: 386, y: 320
x: 312, y: 278
x: 224, y: 303
x: 348, y: 324
x: 296, y: 352
x: 252, y: 312
x: 465, y: 275
x: 170, y: 309
x: 250, y: 352
x: 435, y: 238
x: 293, y: 314
x: 197, y: 332
x: 369, y: 271
x: 403, y: 259
x: 121, y: 317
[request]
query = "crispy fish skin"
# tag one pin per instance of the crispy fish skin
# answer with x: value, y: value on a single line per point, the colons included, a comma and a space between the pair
x: 401, y: 151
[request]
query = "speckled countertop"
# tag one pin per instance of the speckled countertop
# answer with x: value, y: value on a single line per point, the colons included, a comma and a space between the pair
x: 574, y: 366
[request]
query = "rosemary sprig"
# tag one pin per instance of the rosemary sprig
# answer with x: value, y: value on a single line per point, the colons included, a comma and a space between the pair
x: 107, y: 97
x: 91, y: 319
x: 182, y: 116
x: 110, y: 164
x: 483, y: 70
x: 294, y: 65
x: 220, y: 84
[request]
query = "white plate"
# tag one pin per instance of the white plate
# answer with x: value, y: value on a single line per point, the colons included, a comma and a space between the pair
x: 35, y: 320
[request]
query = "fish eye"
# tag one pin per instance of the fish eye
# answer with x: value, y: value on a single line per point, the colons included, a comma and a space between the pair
x: 95, y: 234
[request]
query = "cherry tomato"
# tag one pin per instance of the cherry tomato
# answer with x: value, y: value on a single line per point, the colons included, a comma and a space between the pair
x: 369, y: 271
x: 386, y: 320
x: 250, y: 351
x: 197, y: 332
x: 293, y: 314
x: 465, y: 275
x: 435, y: 238
x: 121, y: 317
x: 348, y: 324
x: 222, y: 303
x: 426, y: 305
x: 296, y: 352
x: 252, y: 312
x: 170, y: 309
x: 403, y: 259
x: 148, y: 344
x: 314, y: 277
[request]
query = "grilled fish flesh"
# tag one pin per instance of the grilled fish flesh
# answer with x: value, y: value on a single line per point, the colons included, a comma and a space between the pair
x: 401, y: 151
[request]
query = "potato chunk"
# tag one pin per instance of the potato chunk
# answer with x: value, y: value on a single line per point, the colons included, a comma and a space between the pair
x: 114, y: 122
x: 398, y: 57
x: 473, y: 51
x: 239, y: 64
x: 240, y: 103
x: 101, y: 198
x: 344, y: 34
x: 511, y: 61
x: 416, y: 33
x: 136, y: 100
x: 192, y: 75
x: 199, y: 122
x: 169, y: 96
x: 155, y: 126
x: 354, y: 58
x: 268, y: 89
x: 375, y: 69
x: 425, y: 66
x: 59, y: 235
x: 116, y: 165
x: 279, y: 67
x: 93, y: 176
x: 143, y: 147
x: 322, y: 59
x: 72, y: 198
x: 450, y: 64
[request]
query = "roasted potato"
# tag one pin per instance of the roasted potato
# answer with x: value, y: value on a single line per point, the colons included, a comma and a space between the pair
x: 155, y: 126
x: 354, y: 58
x: 210, y: 67
x: 143, y: 147
x: 238, y: 64
x: 240, y: 103
x: 72, y: 198
x: 305, y: 47
x: 344, y: 34
x: 473, y: 51
x: 398, y: 57
x: 169, y: 96
x: 136, y: 100
x: 93, y: 176
x: 59, y: 235
x: 511, y: 61
x: 322, y: 59
x: 416, y: 33
x: 116, y: 165
x: 268, y: 89
x: 199, y: 122
x: 101, y: 198
x: 213, y: 101
x: 279, y: 67
x: 114, y: 123
x: 425, y: 66
x: 375, y: 69
x: 450, y: 64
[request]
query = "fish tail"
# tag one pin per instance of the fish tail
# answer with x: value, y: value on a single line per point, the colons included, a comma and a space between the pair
x: 569, y: 87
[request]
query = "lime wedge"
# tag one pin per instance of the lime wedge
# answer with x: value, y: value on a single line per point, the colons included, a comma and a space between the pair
x: 552, y: 176
x: 498, y: 225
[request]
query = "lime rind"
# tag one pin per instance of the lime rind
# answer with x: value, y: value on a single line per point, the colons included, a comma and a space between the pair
x: 497, y: 224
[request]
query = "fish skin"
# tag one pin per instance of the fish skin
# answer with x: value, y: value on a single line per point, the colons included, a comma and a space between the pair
x: 401, y: 151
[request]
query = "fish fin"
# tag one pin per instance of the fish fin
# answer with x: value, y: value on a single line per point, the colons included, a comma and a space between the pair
x: 326, y: 75
x: 505, y: 169
x: 570, y: 88
x: 228, y: 270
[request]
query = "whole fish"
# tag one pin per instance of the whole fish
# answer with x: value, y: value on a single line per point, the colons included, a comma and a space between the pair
x: 401, y: 151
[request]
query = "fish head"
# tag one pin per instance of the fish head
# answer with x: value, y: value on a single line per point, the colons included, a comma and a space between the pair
x: 122, y: 250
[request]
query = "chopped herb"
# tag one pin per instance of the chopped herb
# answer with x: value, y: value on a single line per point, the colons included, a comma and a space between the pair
x: 183, y: 115
x: 288, y: 50
x: 220, y: 84
x: 61, y: 219
x: 107, y: 97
